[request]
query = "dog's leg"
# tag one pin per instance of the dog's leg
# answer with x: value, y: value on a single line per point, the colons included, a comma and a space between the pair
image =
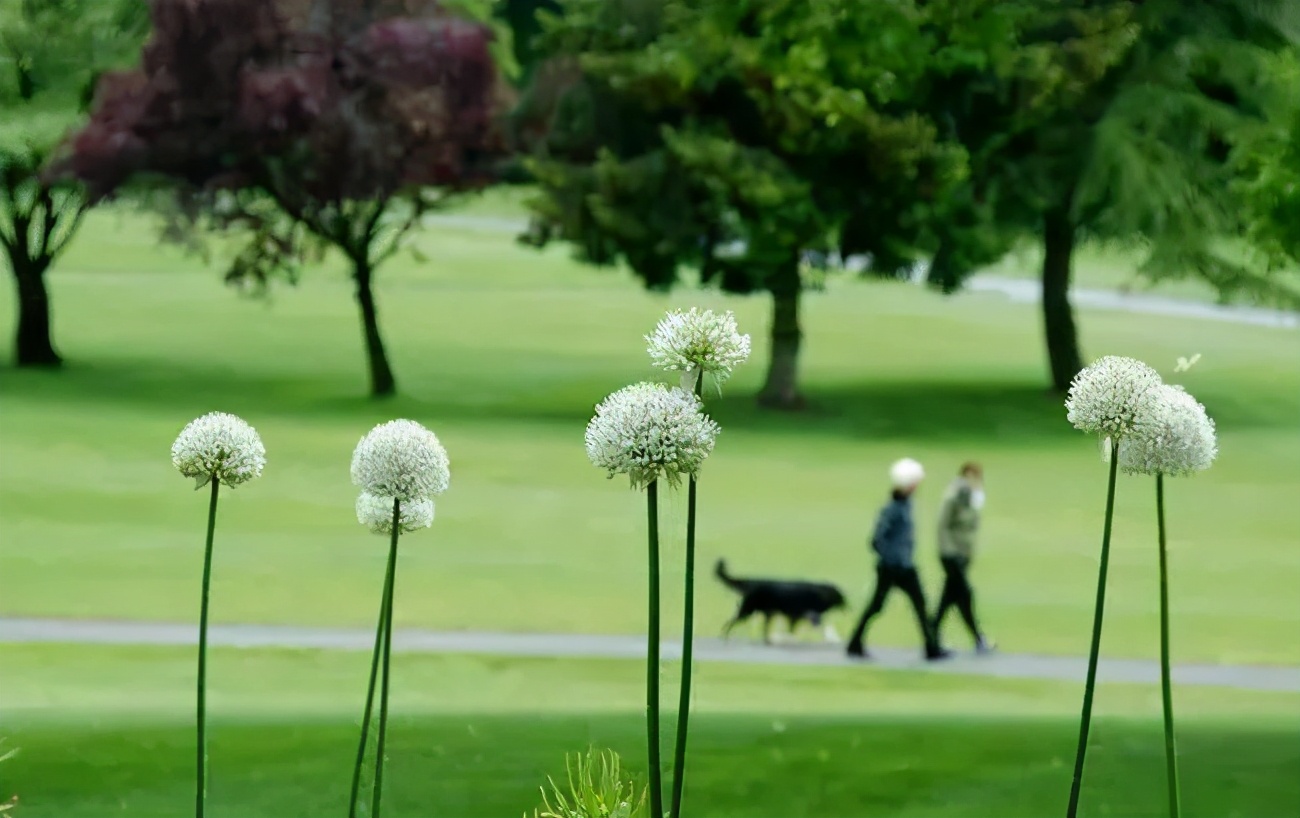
x: 742, y: 613
x: 767, y: 629
x: 828, y: 630
x: 785, y: 637
x: 726, y: 629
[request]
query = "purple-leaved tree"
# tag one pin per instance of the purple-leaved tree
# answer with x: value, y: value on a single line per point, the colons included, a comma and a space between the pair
x: 342, y: 121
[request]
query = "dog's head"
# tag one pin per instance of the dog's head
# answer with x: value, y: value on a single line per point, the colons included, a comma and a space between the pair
x: 832, y: 597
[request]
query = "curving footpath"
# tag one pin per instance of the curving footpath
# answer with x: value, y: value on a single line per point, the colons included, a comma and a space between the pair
x: 1024, y: 291
x: 590, y: 646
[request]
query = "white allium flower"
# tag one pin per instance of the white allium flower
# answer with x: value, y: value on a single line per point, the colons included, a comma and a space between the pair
x: 376, y: 513
x: 1171, y: 435
x: 219, y: 446
x: 1106, y: 395
x: 698, y: 342
x: 401, y: 459
x: 648, y: 431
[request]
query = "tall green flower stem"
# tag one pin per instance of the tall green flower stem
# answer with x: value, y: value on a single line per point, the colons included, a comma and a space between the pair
x: 201, y: 767
x: 1090, y: 685
x: 385, y: 619
x: 378, y: 794
x: 688, y: 643
x: 1166, y: 692
x: 652, y: 657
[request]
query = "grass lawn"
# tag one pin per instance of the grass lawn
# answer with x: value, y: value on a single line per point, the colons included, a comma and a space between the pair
x: 106, y: 731
x: 504, y: 351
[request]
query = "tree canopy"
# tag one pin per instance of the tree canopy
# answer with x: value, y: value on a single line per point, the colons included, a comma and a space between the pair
x: 732, y: 137
x: 51, y: 52
x: 1269, y: 163
x: 341, y: 121
x: 1122, y: 122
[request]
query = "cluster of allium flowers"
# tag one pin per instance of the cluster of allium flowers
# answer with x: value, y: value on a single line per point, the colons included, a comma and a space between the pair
x: 650, y: 431
x: 221, y: 447
x: 698, y: 342
x: 401, y: 459
x: 376, y: 513
x: 1172, y: 435
x: 1107, y: 395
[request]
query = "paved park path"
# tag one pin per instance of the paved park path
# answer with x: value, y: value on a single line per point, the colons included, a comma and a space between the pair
x: 1015, y: 289
x: 589, y: 646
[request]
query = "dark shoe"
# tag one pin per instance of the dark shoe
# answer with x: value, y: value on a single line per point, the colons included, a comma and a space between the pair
x: 937, y: 654
x: 856, y: 651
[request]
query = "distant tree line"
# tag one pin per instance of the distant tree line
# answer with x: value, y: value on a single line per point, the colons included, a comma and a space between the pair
x: 716, y: 141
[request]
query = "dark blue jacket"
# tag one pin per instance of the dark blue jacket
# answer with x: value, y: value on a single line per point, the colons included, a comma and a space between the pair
x: 894, y: 537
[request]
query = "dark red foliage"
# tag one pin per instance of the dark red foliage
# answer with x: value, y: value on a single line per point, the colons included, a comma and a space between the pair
x: 312, y: 100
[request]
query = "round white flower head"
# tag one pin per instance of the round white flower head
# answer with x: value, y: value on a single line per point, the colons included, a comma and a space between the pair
x: 698, y: 342
x: 906, y: 473
x: 401, y: 459
x: 221, y: 447
x: 376, y: 513
x: 1171, y: 435
x: 1105, y: 397
x: 650, y: 431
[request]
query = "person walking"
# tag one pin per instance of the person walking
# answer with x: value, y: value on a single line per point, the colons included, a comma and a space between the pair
x: 893, y: 540
x: 959, y: 520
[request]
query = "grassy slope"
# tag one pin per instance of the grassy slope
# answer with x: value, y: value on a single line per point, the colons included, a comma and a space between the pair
x: 503, y: 352
x: 106, y: 731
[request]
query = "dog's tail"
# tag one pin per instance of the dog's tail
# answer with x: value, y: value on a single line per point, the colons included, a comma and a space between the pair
x: 720, y: 569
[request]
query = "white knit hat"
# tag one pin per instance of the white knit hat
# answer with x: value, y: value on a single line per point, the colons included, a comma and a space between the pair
x: 906, y: 473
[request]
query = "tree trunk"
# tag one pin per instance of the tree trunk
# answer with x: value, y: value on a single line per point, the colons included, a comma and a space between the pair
x: 33, y: 346
x: 781, y: 390
x: 382, y: 383
x: 1058, y: 316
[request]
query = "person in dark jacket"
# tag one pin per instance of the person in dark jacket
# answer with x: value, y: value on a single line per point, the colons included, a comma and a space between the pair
x: 959, y: 520
x: 894, y: 540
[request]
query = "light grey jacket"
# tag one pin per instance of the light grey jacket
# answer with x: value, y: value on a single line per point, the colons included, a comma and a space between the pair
x: 959, y: 521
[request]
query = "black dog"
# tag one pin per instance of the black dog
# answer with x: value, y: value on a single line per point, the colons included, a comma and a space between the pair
x: 795, y: 600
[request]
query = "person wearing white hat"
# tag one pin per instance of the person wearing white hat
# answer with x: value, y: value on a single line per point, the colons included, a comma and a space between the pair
x: 894, y: 540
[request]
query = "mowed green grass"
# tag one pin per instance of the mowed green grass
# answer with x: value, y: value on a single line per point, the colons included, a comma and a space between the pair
x: 504, y: 351
x: 106, y: 731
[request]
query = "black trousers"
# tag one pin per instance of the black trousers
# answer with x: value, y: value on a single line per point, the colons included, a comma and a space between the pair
x: 906, y: 580
x: 957, y: 591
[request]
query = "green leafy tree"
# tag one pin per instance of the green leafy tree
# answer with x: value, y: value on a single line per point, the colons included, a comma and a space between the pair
x: 732, y: 138
x: 521, y: 19
x: 1119, y: 121
x: 1270, y: 173
x: 51, y: 52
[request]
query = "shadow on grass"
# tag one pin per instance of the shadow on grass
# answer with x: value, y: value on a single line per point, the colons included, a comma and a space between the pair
x: 491, y: 765
x: 1007, y: 411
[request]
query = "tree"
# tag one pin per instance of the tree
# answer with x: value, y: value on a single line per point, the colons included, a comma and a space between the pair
x: 342, y: 121
x: 50, y: 53
x: 521, y: 18
x: 1119, y: 122
x: 734, y: 137
x: 1269, y: 163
